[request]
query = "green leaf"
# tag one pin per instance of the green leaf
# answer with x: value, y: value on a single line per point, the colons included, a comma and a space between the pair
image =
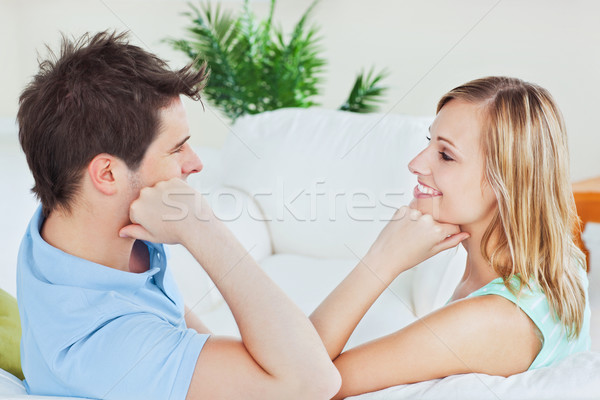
x: 366, y: 94
x: 254, y: 68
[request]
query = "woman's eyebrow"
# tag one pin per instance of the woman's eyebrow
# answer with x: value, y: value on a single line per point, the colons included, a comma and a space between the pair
x: 443, y: 139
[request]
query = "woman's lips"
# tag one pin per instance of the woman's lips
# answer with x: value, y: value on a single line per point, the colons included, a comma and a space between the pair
x: 423, y: 191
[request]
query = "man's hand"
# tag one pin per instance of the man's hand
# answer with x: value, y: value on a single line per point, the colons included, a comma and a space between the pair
x: 263, y: 365
x: 168, y: 212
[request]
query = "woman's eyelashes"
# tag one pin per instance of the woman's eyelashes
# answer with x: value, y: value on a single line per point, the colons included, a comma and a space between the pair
x: 443, y: 155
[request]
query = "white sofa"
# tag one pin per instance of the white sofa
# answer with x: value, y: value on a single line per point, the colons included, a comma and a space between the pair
x: 307, y: 192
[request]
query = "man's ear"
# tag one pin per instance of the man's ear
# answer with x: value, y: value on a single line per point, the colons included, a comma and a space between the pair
x: 103, y: 172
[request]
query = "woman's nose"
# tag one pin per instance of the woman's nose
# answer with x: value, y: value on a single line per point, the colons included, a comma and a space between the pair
x: 419, y: 165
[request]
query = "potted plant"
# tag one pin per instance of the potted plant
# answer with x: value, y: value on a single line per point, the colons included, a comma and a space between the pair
x: 255, y: 67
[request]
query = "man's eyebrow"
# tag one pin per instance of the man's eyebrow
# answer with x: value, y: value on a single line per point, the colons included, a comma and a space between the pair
x: 178, y: 145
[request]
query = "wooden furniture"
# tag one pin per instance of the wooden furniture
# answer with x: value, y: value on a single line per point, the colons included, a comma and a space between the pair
x: 587, y: 200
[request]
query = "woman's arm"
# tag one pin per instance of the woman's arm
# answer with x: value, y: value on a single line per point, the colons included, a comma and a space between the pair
x: 409, y: 238
x: 486, y: 334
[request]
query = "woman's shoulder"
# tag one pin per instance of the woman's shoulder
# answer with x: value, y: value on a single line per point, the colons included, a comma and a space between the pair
x: 489, y: 308
x: 528, y: 295
x: 503, y: 337
x: 514, y: 299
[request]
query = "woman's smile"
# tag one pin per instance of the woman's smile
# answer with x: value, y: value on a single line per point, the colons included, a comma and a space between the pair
x: 423, y: 191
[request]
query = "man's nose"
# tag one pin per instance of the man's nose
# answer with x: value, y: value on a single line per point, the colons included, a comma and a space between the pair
x: 193, y: 164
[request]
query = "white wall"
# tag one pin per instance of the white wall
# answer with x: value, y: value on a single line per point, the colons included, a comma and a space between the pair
x: 9, y: 67
x: 429, y: 46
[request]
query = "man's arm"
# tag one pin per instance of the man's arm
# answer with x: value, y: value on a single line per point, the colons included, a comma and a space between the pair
x: 280, y: 355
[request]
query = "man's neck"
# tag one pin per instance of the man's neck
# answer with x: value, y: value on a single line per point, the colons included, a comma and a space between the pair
x: 89, y: 236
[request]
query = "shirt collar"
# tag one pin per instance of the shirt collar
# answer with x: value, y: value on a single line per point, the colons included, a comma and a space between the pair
x: 61, y: 268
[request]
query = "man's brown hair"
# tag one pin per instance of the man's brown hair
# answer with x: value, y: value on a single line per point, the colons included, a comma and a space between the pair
x: 101, y: 95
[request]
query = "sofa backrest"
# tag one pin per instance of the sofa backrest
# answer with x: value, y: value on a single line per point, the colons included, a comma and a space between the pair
x: 326, y: 181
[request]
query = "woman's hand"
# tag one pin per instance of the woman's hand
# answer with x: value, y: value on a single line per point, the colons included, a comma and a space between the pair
x: 408, y: 239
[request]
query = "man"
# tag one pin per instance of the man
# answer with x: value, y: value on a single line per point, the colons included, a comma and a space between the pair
x: 105, y: 136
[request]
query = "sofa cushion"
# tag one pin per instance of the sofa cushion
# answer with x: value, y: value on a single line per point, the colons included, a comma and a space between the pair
x: 574, y: 378
x: 326, y: 181
x: 10, y: 335
x: 12, y: 388
x: 243, y: 217
x: 436, y: 278
x: 10, y: 385
x: 308, y: 280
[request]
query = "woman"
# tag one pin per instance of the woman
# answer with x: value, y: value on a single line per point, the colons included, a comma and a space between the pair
x: 495, y: 177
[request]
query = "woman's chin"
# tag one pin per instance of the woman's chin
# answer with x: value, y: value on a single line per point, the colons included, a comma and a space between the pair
x: 426, y: 206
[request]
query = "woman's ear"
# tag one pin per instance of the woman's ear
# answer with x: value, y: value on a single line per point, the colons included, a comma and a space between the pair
x: 103, y: 171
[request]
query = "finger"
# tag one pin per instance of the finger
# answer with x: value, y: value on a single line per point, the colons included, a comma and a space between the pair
x: 400, y: 213
x: 414, y: 214
x: 133, y: 210
x: 451, y: 241
x: 427, y: 218
x: 449, y: 229
x: 135, y: 231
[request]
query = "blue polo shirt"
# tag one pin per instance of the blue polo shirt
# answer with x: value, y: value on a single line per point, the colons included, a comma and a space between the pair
x: 98, y: 332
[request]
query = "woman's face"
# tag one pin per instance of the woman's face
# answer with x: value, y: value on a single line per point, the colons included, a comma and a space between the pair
x: 450, y: 170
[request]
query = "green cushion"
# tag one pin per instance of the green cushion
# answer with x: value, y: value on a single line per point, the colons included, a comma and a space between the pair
x: 10, y: 335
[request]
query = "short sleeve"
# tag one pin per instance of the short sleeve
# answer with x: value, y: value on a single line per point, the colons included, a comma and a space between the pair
x: 135, y: 356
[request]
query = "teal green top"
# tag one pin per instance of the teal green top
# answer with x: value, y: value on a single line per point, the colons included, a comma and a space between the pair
x: 534, y: 303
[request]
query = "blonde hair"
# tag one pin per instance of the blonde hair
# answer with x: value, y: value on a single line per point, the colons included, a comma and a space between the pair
x: 526, y: 157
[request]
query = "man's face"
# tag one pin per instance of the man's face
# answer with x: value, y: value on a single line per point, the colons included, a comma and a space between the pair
x: 169, y: 155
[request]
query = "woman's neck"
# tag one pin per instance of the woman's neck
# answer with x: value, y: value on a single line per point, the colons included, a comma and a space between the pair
x: 478, y: 271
